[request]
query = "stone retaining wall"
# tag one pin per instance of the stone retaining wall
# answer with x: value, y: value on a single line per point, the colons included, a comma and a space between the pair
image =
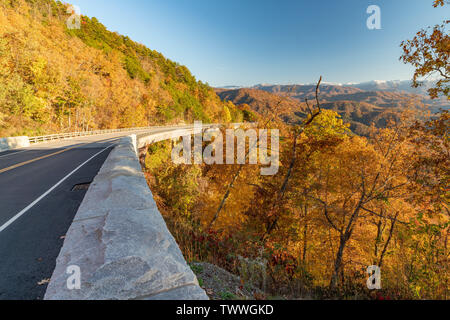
x: 14, y: 143
x: 120, y: 241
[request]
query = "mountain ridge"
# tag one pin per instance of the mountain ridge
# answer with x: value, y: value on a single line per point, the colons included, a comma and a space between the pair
x: 400, y: 88
x: 358, y: 107
x: 372, y: 85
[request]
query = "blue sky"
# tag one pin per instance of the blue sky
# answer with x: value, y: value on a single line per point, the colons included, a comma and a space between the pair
x: 246, y: 42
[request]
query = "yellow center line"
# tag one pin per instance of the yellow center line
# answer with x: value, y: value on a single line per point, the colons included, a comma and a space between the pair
x: 49, y: 155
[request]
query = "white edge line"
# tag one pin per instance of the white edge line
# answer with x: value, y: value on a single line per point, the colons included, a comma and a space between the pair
x: 21, y: 213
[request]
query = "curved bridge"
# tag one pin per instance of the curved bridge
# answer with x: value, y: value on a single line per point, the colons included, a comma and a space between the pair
x: 85, y: 203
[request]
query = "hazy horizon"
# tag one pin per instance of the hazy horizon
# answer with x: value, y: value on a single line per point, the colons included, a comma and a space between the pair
x: 314, y: 83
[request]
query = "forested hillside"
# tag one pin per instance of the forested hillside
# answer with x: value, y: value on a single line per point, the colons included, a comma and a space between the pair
x: 340, y: 203
x: 256, y: 103
x: 383, y: 97
x: 358, y: 107
x: 53, y: 79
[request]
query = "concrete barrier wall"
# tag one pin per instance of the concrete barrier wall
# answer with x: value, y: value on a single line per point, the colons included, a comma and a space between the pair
x: 147, y: 139
x: 120, y: 241
x: 14, y: 143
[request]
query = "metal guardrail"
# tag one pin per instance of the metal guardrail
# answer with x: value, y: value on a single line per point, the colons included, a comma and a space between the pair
x: 63, y: 136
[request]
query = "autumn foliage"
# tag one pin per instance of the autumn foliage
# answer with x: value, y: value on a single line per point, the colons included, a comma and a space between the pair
x: 350, y: 202
x: 55, y: 79
x: 429, y: 53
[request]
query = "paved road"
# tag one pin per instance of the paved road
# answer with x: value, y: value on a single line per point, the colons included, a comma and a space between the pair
x: 38, y: 202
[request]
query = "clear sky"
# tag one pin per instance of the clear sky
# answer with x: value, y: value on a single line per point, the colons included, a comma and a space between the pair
x: 246, y: 42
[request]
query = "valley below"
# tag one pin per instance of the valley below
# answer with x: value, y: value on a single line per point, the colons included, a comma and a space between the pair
x: 359, y: 105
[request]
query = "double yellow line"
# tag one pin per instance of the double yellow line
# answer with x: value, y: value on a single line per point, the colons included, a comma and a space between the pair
x: 18, y: 165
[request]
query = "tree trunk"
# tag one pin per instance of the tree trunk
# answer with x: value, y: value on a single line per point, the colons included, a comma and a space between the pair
x: 305, y: 234
x: 305, y: 242
x: 338, y: 262
x: 391, y: 232
x: 378, y: 239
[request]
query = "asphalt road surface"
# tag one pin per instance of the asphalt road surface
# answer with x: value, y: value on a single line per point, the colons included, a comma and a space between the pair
x: 41, y: 188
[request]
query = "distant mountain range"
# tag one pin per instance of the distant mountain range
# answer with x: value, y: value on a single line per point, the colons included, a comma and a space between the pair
x: 360, y: 104
x: 393, y: 86
x: 404, y: 86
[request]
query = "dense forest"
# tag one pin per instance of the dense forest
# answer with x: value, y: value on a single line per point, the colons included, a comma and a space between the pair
x: 55, y: 79
x: 340, y: 203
